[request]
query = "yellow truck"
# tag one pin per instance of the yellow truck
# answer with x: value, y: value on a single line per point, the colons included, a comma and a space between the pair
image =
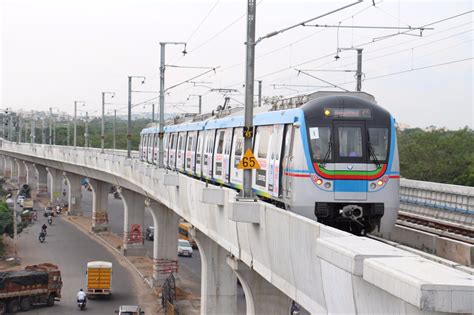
x: 99, y: 278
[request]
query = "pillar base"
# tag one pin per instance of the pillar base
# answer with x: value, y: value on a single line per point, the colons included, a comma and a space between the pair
x: 134, y: 251
x: 100, y: 228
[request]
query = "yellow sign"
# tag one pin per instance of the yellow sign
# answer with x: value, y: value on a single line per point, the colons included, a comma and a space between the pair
x: 248, y: 161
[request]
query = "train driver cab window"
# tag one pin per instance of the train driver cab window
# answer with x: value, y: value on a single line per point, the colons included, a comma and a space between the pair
x: 378, y: 143
x: 350, y: 142
x: 319, y: 140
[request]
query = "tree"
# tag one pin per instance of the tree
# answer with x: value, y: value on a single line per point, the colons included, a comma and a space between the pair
x: 437, y: 155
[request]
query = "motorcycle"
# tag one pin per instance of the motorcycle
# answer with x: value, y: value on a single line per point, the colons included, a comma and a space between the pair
x: 50, y: 220
x: 81, y: 304
x: 58, y: 210
x: 42, y: 236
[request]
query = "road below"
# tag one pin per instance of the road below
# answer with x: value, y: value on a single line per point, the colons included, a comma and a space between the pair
x: 71, y: 249
x: 191, y: 265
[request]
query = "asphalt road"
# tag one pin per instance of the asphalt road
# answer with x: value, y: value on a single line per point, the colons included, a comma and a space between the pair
x: 191, y: 265
x: 71, y: 249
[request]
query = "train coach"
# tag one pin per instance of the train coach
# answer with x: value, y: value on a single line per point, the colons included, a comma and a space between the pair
x: 334, y: 159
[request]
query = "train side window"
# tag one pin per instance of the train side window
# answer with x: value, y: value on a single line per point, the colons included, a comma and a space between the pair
x: 190, y: 143
x: 220, y: 143
x: 171, y: 141
x: 156, y: 141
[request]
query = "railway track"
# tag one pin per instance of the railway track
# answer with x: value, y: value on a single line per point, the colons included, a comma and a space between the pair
x: 457, y: 231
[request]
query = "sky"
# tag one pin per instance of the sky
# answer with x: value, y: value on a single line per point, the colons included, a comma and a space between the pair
x: 55, y: 52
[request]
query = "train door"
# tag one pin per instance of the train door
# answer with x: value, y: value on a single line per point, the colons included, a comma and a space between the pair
x: 207, y: 155
x: 172, y: 151
x: 350, y: 158
x: 287, y: 164
x: 190, y: 150
x: 181, y: 151
x: 140, y: 147
x: 274, y: 160
x: 144, y: 147
x: 151, y: 140
x: 156, y: 149
x: 226, y: 157
x: 199, y: 147
x: 236, y: 175
x: 165, y: 149
x: 262, y: 146
x: 218, y: 173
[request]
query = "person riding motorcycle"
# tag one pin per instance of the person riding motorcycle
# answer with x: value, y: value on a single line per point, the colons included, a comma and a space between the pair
x: 81, y: 296
x: 44, y: 228
x: 50, y: 220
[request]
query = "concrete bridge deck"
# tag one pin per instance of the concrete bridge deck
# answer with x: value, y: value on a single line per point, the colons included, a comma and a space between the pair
x: 276, y: 254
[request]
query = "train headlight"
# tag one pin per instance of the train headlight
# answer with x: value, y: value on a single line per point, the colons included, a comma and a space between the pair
x: 327, y: 185
x: 372, y: 185
x: 380, y: 182
x: 327, y: 112
x: 319, y: 181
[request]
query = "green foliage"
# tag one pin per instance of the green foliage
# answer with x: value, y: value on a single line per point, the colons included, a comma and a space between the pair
x: 95, y: 127
x: 6, y: 221
x: 437, y: 155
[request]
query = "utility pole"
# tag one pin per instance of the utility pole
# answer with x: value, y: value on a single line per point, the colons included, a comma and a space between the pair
x: 129, y: 121
x: 200, y: 104
x: 43, y: 131
x: 115, y: 122
x: 259, y: 93
x: 359, y: 70
x: 102, y: 134
x: 75, y: 124
x: 54, y: 132
x: 33, y: 129
x: 162, y: 98
x: 153, y: 112
x: 67, y: 128
x: 249, y: 93
x: 162, y: 106
x: 20, y: 125
x: 86, y: 132
x: 50, y: 126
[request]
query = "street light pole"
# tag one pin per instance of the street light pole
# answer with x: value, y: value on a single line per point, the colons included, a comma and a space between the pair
x: 153, y: 112
x: 162, y: 96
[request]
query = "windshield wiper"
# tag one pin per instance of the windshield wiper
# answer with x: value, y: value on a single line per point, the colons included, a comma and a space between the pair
x: 327, y: 155
x: 372, y: 152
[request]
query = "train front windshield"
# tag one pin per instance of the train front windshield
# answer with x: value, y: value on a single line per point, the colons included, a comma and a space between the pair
x: 349, y: 138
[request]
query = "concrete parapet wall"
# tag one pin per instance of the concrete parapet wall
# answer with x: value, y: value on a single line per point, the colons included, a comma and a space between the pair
x: 325, y: 270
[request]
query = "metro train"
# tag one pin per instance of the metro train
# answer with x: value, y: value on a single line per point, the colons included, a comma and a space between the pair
x: 334, y: 159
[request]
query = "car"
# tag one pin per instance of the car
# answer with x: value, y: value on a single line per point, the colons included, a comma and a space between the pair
x: 129, y: 310
x: 48, y: 211
x: 20, y: 199
x: 184, y: 248
x: 150, y: 233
